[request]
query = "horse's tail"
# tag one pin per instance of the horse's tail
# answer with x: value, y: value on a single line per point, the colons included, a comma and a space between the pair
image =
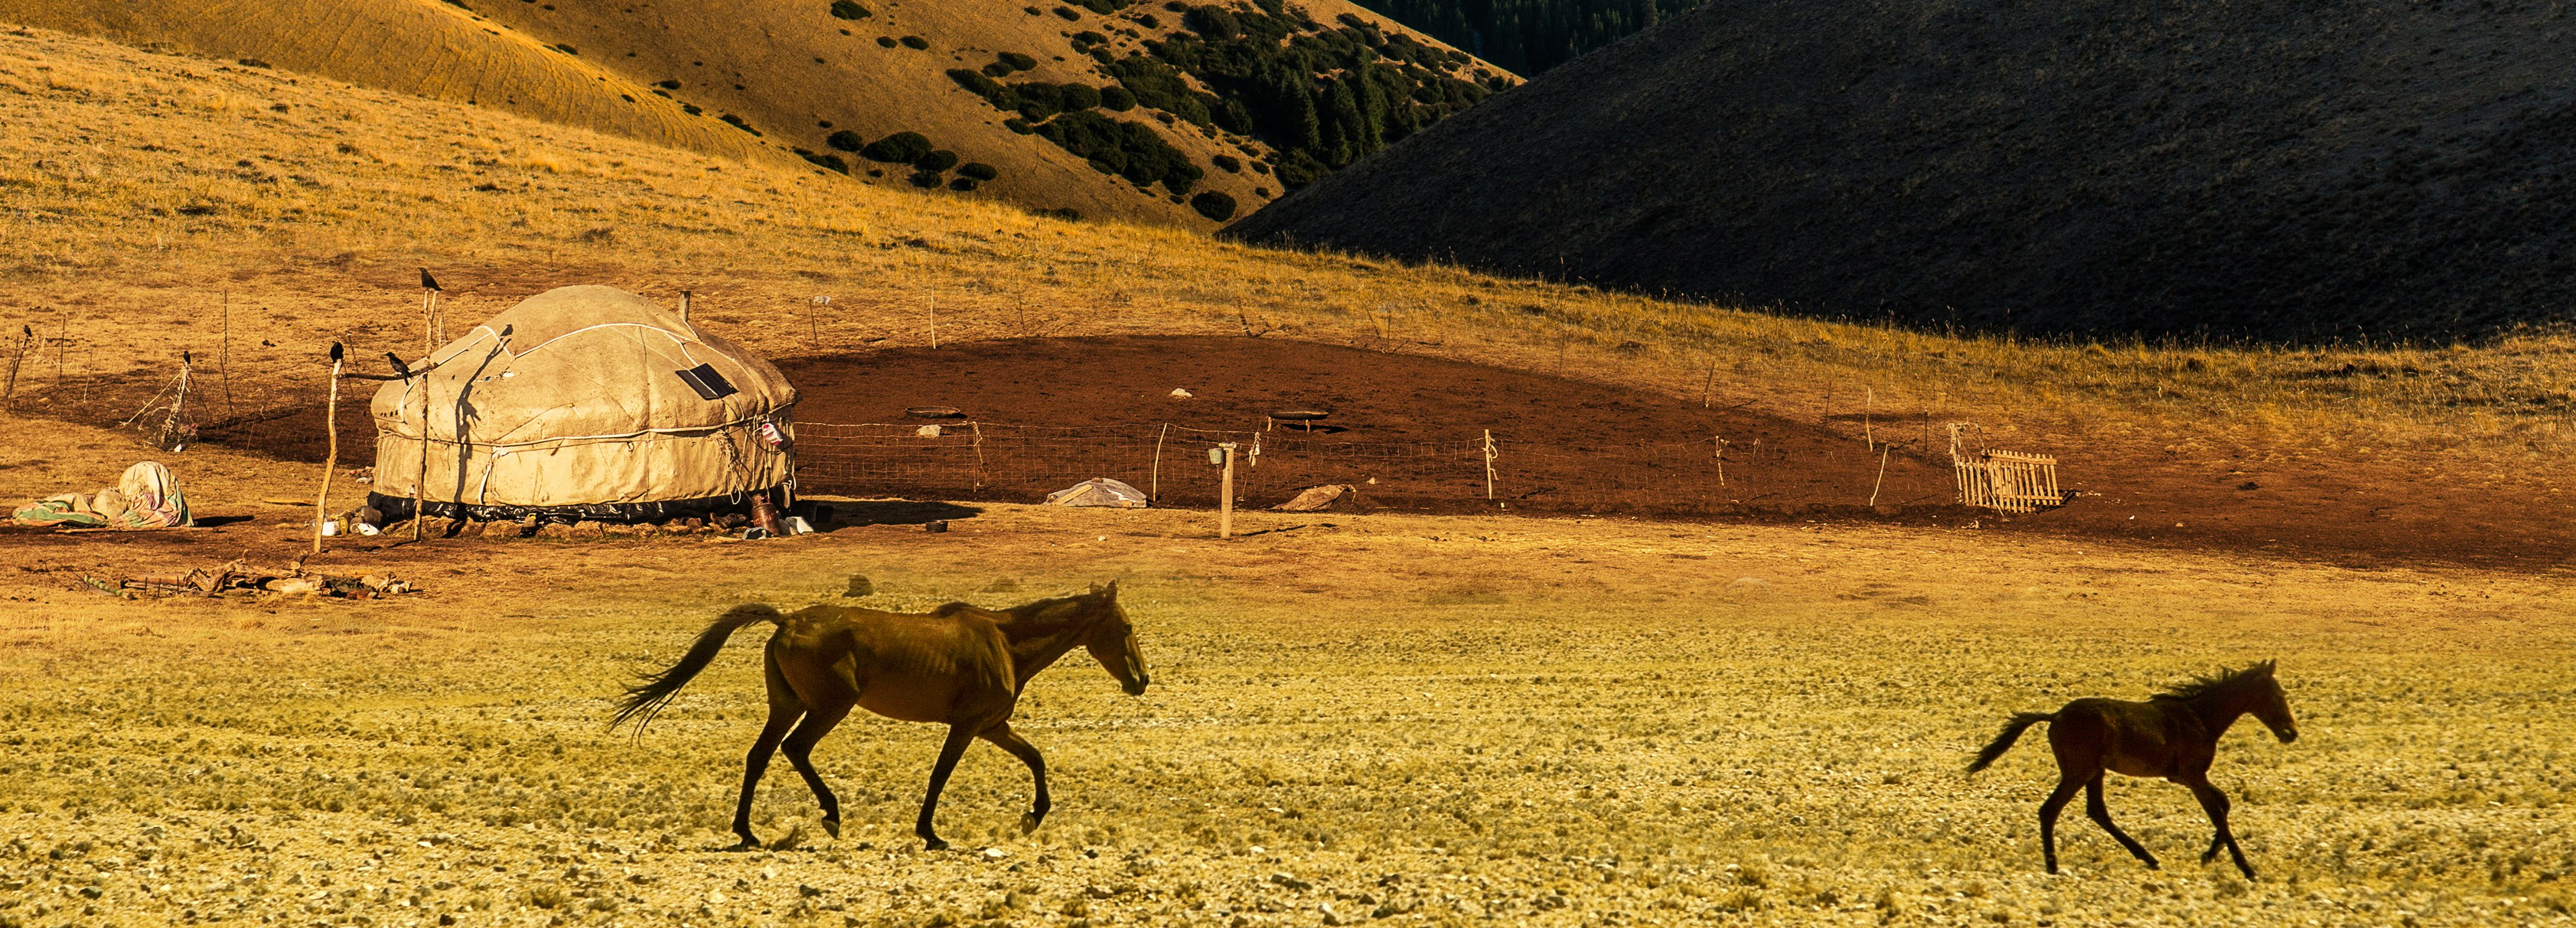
x: 647, y: 697
x: 2021, y: 721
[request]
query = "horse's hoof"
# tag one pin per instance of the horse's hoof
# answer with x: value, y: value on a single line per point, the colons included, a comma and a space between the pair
x: 832, y: 826
x: 2152, y: 865
x: 933, y: 844
x: 749, y: 843
x: 1029, y: 822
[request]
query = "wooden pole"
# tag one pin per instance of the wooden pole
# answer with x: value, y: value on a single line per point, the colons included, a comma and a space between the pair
x: 331, y: 458
x: 178, y: 407
x: 27, y: 338
x: 224, y: 356
x: 1225, y: 496
x: 1868, y: 403
x: 1489, y: 465
x: 1720, y: 455
x: 1710, y: 385
x: 420, y: 480
x: 933, y: 293
x: 1155, y: 491
x: 1882, y: 474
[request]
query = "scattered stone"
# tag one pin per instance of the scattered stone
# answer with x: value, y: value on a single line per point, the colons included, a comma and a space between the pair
x: 860, y: 587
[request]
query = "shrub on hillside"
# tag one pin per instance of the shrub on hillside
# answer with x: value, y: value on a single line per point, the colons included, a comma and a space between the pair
x: 1297, y: 169
x: 978, y: 170
x: 1067, y: 14
x: 963, y: 184
x: 1017, y: 61
x: 1148, y: 21
x: 1212, y: 21
x: 1127, y: 149
x: 1021, y: 126
x: 1228, y: 163
x: 846, y: 140
x: 976, y: 82
x: 1213, y: 205
x: 1117, y: 99
x: 915, y: 42
x: 1078, y: 97
x: 899, y: 148
x: 1104, y: 7
x: 937, y: 161
x: 848, y: 9
x: 738, y: 123
x: 925, y: 180
x: 887, y: 41
x: 825, y: 160
x: 1039, y: 100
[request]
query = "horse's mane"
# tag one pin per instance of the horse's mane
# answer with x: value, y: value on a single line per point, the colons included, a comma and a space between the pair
x: 2204, y: 684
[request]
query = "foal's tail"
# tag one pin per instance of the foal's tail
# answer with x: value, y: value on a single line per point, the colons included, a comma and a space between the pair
x: 646, y: 698
x: 2021, y: 721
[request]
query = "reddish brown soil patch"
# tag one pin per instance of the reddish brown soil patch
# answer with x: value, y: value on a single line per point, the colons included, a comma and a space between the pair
x: 1415, y: 426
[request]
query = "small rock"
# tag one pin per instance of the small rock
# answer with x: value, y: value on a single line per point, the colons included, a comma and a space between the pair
x: 859, y: 586
x: 936, y: 526
x: 995, y: 853
x: 1179, y: 393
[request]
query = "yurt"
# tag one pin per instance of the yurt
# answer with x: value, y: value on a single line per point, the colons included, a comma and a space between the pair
x: 583, y: 402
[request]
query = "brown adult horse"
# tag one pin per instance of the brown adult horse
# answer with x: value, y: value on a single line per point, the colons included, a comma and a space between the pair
x: 2174, y: 735
x: 956, y: 664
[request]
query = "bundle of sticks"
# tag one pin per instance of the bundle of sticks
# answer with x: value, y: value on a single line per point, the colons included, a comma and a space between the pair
x: 237, y: 575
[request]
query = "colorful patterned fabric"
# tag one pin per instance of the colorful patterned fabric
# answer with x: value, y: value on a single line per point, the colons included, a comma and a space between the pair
x: 146, y: 496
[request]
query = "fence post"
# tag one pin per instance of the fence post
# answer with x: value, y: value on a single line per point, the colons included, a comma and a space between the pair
x: 330, y: 459
x: 1489, y: 465
x: 1154, y: 492
x: 1718, y: 451
x: 1225, y: 495
x: 1882, y: 474
x: 27, y: 339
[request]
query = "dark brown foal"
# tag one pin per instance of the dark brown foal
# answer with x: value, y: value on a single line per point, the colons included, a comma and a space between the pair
x: 2174, y: 735
x: 958, y: 665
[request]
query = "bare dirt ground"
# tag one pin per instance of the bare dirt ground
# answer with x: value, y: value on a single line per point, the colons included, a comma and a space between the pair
x: 1441, y: 720
x: 2330, y: 504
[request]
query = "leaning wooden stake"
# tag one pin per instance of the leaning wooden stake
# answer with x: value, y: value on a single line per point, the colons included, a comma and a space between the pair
x: 1720, y: 454
x: 1154, y: 491
x: 1489, y: 465
x: 330, y: 458
x: 26, y: 339
x: 1882, y: 473
x: 1710, y: 385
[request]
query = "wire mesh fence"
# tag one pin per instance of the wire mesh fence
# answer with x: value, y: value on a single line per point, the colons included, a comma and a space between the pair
x: 278, y: 411
x: 979, y: 460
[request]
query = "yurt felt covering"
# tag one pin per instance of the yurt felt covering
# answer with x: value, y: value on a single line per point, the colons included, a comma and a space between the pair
x: 572, y: 401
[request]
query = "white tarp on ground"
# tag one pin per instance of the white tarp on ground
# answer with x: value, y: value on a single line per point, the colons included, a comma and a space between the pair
x: 1099, y: 491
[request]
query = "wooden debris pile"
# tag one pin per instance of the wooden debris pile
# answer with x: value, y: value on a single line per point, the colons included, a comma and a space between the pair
x: 237, y: 577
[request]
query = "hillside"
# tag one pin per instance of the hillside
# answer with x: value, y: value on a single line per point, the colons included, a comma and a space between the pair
x: 1105, y: 108
x: 1530, y: 36
x: 2157, y: 167
x: 161, y: 204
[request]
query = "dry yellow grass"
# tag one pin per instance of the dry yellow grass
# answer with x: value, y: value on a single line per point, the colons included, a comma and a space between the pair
x: 141, y: 186
x: 788, y: 69
x: 1414, y: 720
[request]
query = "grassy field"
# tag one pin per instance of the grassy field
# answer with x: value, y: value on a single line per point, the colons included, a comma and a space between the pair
x: 1422, y: 720
x: 1416, y: 720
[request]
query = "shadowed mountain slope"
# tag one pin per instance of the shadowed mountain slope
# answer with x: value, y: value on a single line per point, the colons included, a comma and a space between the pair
x: 1137, y: 139
x: 2167, y: 167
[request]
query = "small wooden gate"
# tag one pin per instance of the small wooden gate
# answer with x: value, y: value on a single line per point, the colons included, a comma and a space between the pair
x: 2004, y: 481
